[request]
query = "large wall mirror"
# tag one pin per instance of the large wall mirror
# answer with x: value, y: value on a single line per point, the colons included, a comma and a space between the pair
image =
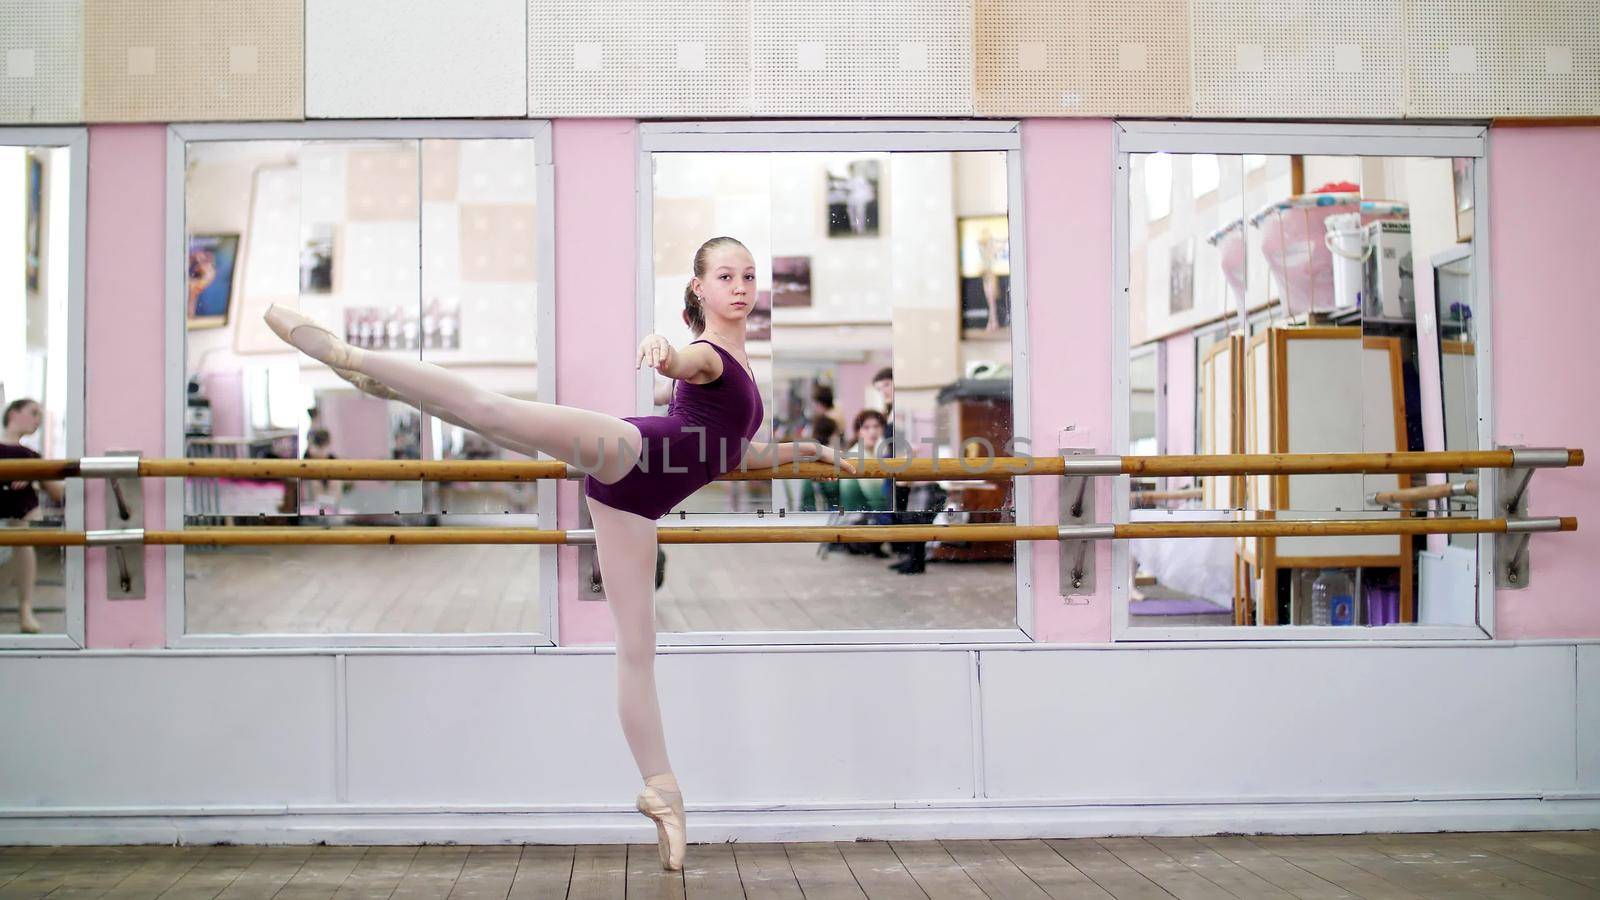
x: 42, y: 205
x: 884, y: 327
x: 1284, y: 303
x: 427, y: 245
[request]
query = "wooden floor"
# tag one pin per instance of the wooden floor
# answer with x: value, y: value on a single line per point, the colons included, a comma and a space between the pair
x: 1499, y: 864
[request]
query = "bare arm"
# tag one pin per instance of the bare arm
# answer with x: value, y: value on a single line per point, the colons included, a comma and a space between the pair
x: 56, y: 489
x: 770, y: 456
x: 687, y: 364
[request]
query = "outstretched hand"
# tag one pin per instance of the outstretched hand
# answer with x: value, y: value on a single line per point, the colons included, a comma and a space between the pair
x: 656, y: 352
x: 827, y: 454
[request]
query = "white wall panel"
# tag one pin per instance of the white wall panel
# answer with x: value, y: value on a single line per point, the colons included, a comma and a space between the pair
x: 837, y: 57
x: 41, y: 61
x: 416, y: 58
x: 1481, y: 58
x: 636, y: 58
x: 1588, y: 717
x: 542, y: 729
x: 1297, y: 58
x: 143, y: 731
x: 1304, y: 722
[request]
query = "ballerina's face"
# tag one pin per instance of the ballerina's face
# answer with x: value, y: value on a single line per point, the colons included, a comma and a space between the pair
x: 728, y: 288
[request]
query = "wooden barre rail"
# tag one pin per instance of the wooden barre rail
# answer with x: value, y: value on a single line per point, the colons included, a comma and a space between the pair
x: 996, y: 468
x: 793, y: 534
x: 1426, y: 492
x: 1148, y: 499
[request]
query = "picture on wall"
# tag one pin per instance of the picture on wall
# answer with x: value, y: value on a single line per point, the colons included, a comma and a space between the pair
x: 985, y: 259
x: 211, y: 264
x: 758, y: 324
x: 791, y: 281
x: 853, y: 194
x: 316, y: 260
x: 33, y: 234
x: 1180, y: 278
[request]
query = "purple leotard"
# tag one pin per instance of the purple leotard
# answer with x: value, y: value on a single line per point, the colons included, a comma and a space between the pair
x: 702, y: 436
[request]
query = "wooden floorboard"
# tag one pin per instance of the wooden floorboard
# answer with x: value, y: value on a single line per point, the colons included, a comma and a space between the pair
x: 936, y: 872
x: 1215, y: 867
x: 822, y: 872
x: 711, y: 873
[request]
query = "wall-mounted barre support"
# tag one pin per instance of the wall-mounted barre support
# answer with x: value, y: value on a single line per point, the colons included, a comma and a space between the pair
x: 1075, y: 501
x: 124, y: 505
x: 1513, y: 569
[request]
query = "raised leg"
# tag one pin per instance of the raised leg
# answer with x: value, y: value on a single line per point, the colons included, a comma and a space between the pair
x: 605, y: 445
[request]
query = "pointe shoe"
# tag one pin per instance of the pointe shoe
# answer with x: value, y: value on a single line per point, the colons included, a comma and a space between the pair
x: 313, y: 340
x: 28, y: 624
x: 660, y: 801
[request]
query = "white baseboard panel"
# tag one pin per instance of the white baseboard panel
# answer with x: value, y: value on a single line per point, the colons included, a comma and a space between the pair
x: 592, y: 825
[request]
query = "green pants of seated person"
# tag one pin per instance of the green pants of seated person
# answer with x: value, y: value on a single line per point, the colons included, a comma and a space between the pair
x: 863, y: 494
x: 819, y: 495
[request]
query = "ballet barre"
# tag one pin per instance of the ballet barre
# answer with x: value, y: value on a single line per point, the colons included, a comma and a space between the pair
x: 1076, y: 529
x: 898, y: 468
x: 266, y: 536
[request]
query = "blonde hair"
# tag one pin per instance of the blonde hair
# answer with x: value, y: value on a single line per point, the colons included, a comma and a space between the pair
x: 693, y: 308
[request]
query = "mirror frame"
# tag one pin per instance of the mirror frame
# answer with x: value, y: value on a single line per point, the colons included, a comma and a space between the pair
x: 1240, y: 138
x: 178, y: 137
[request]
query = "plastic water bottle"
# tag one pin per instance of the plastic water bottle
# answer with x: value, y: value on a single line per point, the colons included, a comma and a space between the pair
x: 1332, y: 599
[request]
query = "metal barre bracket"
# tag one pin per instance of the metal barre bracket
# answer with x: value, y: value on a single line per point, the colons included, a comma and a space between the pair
x: 1076, y: 506
x: 123, y: 536
x: 1512, y: 565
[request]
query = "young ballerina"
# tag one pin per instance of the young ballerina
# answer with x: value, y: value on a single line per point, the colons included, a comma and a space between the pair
x: 645, y: 466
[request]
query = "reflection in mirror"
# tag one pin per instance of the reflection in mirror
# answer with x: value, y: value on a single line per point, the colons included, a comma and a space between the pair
x: 882, y: 328
x: 424, y: 248
x: 35, y: 232
x: 1306, y: 337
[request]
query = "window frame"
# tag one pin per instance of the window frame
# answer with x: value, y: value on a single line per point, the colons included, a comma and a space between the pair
x: 73, y: 576
x: 838, y: 136
x: 178, y: 137
x: 1320, y: 139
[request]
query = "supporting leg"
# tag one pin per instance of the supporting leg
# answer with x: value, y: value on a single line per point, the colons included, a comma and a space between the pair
x: 626, y: 546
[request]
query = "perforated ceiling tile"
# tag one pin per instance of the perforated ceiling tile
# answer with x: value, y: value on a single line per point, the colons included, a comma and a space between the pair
x: 189, y: 60
x: 638, y: 58
x: 1481, y: 59
x: 1082, y: 58
x: 837, y: 57
x: 1296, y: 58
x: 380, y: 58
x: 41, y: 61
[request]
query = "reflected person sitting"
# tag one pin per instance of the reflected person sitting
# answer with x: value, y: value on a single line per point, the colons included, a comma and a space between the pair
x: 19, y: 505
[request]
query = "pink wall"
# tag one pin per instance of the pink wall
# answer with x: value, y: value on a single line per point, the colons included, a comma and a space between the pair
x: 1545, y: 315
x: 594, y: 163
x: 1544, y: 197
x: 124, y: 379
x: 1067, y: 178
